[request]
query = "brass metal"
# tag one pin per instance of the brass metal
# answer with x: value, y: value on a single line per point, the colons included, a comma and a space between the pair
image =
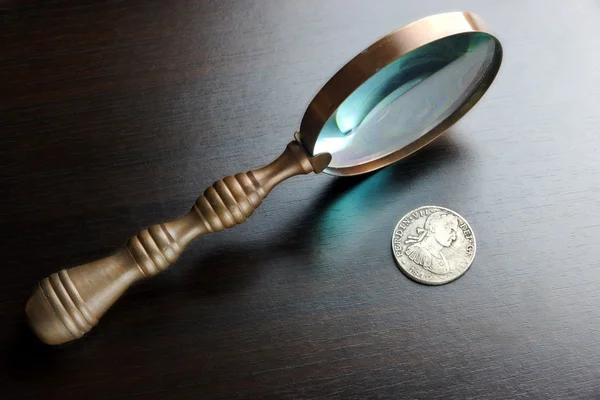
x: 381, y: 53
x: 69, y: 303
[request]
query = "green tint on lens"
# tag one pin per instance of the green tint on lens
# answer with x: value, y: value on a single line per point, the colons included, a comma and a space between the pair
x: 406, y: 99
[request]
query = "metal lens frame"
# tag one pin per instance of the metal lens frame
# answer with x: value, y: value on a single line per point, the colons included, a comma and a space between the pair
x: 385, y: 51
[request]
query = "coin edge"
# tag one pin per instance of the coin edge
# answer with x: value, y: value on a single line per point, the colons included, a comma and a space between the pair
x: 416, y: 279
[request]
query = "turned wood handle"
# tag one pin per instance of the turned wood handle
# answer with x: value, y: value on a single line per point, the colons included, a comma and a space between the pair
x: 66, y: 305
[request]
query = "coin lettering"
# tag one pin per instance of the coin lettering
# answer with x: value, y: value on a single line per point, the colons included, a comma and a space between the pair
x: 433, y: 245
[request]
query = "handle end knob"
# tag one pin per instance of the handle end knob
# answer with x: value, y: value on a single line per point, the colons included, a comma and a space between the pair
x: 56, y: 312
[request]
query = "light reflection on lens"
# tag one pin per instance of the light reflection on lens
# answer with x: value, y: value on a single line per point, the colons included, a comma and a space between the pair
x: 406, y: 99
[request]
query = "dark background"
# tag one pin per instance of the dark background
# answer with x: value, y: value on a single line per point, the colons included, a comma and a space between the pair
x: 115, y: 115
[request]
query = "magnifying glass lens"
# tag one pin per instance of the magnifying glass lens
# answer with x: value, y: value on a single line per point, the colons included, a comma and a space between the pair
x: 407, y: 98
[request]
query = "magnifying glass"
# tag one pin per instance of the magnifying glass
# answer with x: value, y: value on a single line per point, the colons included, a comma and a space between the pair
x: 387, y: 102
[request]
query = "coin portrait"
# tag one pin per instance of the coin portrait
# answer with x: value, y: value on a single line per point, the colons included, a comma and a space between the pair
x: 433, y: 245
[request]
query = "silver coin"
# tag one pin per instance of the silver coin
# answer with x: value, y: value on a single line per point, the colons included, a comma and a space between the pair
x: 433, y: 245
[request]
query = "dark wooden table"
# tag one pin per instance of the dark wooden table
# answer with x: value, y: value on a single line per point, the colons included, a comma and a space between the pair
x: 116, y: 115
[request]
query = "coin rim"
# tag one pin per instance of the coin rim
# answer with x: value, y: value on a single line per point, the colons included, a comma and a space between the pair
x: 416, y: 279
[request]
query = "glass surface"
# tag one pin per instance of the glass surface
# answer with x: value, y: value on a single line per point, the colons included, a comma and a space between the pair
x: 406, y: 99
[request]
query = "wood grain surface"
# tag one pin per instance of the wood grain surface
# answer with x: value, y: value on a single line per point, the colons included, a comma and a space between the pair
x: 115, y: 115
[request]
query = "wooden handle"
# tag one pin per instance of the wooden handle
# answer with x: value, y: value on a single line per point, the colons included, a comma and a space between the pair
x: 69, y: 303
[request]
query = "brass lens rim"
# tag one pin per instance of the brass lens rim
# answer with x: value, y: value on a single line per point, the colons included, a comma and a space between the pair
x: 374, y: 58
